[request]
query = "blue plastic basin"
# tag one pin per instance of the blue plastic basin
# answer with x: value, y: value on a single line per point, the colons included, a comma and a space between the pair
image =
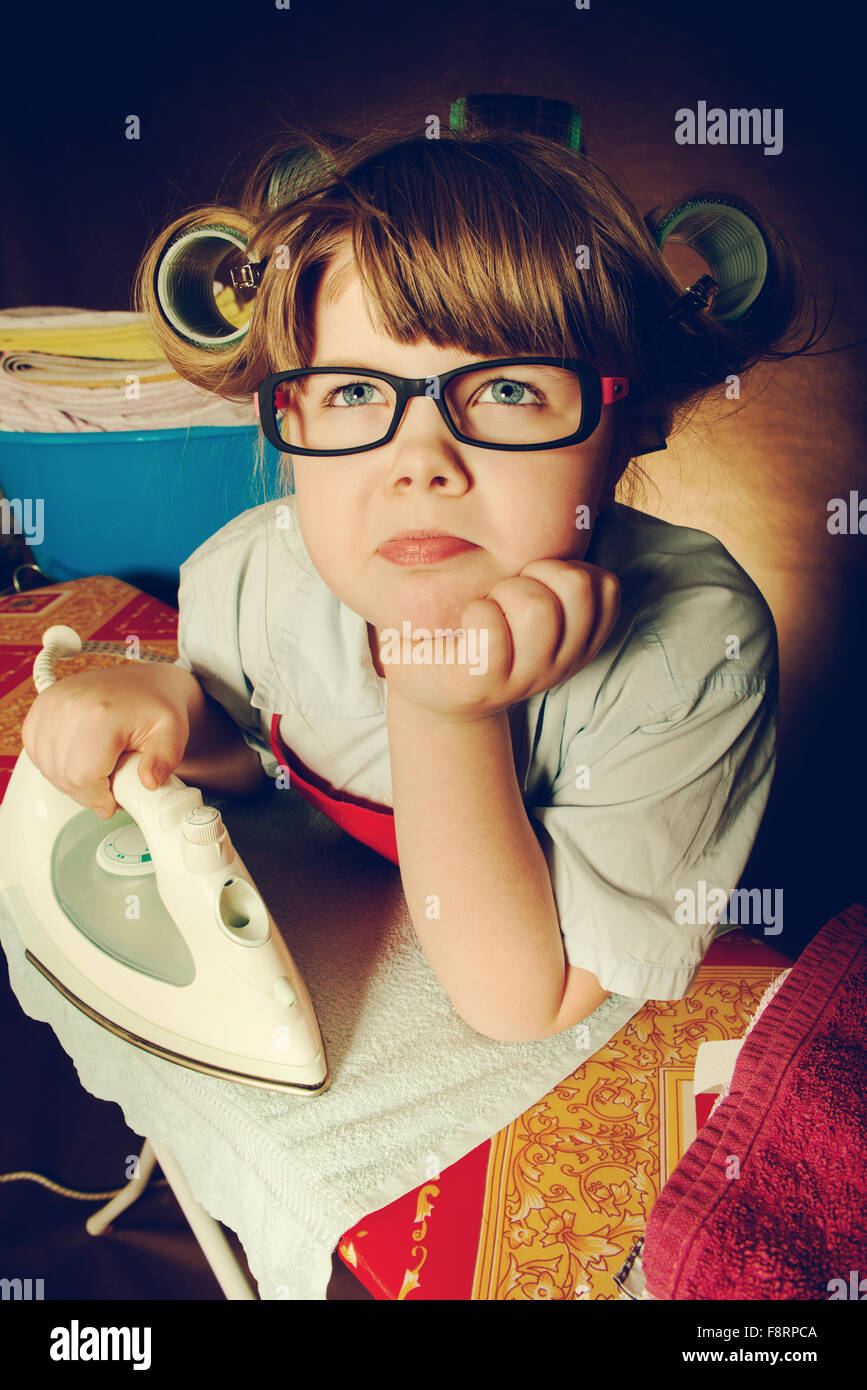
x: 129, y: 503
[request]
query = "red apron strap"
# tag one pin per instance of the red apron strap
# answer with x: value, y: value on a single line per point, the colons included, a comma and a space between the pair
x: 374, y: 828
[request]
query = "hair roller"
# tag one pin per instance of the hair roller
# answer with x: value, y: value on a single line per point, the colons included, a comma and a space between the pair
x: 293, y: 175
x: 734, y: 248
x: 185, y: 274
x: 184, y: 284
x: 555, y: 120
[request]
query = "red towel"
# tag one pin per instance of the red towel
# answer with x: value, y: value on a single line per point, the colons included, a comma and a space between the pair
x: 793, y: 1224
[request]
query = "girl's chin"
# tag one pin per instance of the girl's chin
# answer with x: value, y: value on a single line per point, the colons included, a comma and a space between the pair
x: 434, y: 599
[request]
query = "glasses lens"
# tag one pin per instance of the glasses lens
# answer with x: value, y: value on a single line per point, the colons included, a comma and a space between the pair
x: 333, y: 410
x: 527, y: 403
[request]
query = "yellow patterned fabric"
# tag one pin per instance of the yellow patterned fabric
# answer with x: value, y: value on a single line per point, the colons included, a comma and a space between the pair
x: 571, y: 1183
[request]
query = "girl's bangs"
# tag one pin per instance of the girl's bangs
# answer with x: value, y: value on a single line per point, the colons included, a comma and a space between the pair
x: 470, y: 261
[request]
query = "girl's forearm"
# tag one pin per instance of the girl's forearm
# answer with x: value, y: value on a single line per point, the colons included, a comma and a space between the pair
x: 474, y: 875
x: 217, y: 758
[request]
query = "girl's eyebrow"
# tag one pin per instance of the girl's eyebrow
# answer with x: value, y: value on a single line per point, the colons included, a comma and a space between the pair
x: 342, y: 362
x: 347, y: 363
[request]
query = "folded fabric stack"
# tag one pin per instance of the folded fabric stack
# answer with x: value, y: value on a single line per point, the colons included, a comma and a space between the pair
x: 74, y: 370
x: 770, y: 1200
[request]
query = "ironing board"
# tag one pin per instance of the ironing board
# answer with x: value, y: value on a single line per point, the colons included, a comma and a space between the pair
x: 552, y: 1204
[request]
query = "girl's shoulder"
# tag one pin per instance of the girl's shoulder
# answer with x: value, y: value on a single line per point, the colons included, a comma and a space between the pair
x: 245, y: 573
x: 654, y: 557
x: 249, y: 536
x: 258, y: 560
x: 695, y: 639
x: 686, y: 601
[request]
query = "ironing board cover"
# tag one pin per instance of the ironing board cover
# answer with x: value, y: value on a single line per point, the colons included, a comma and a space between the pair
x: 374, y: 827
x: 549, y: 1208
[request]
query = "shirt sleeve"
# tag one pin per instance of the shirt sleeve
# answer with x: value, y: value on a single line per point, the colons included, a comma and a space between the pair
x: 671, y: 812
x: 208, y: 642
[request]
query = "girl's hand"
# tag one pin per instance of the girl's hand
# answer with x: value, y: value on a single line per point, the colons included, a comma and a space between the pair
x: 77, y: 729
x: 543, y: 625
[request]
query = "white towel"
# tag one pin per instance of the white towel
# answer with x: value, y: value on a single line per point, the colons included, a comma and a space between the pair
x: 413, y: 1087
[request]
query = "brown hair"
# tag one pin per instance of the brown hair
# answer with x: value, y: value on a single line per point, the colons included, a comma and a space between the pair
x: 470, y: 239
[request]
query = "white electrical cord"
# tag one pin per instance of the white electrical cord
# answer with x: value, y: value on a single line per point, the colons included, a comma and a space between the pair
x: 25, y: 1176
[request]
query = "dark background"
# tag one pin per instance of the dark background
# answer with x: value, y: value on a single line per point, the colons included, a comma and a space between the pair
x: 211, y: 82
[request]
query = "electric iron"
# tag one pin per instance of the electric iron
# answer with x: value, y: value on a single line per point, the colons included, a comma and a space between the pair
x: 150, y: 924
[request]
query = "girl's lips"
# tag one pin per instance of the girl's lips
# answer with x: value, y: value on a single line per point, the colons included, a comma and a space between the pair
x: 426, y: 550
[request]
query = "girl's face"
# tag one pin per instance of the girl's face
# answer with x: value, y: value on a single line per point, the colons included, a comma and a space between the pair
x: 513, y: 507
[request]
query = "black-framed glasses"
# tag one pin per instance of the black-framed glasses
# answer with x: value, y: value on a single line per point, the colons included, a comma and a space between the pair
x: 547, y: 403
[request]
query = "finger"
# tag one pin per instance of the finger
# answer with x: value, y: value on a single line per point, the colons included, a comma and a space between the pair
x: 68, y: 763
x: 608, y: 611
x: 28, y: 738
x: 485, y: 615
x: 605, y: 609
x: 104, y: 803
x: 535, y: 619
x: 33, y: 734
x: 163, y: 750
x: 85, y: 768
x: 589, y: 598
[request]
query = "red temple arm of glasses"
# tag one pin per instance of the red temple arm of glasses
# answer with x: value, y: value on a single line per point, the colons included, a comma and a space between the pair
x: 614, y: 388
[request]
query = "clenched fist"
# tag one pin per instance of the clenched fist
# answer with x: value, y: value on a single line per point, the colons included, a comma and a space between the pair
x: 543, y: 626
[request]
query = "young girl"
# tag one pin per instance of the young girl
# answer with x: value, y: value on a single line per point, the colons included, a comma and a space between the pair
x: 606, y: 755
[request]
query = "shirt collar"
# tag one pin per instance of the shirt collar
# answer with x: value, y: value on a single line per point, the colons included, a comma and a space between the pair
x: 316, y: 659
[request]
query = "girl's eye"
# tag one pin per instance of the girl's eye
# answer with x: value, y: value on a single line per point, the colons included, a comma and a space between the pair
x: 351, y: 393
x: 507, y: 391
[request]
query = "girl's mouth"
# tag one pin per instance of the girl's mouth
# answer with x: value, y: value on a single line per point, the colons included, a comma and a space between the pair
x: 424, y: 550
